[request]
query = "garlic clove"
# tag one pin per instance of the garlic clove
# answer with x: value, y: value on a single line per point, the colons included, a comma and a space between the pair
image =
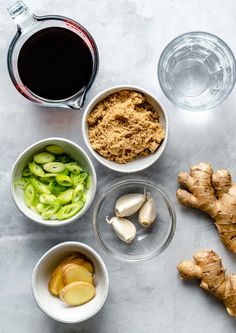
x: 148, y: 212
x: 123, y: 228
x: 129, y: 204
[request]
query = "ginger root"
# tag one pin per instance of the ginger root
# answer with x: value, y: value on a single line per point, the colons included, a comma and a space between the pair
x: 57, y: 280
x: 77, y: 293
x: 208, y: 268
x: 74, y: 272
x: 213, y: 193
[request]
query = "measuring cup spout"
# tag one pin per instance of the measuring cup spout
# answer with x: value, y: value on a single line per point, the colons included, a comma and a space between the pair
x: 78, y: 102
x: 22, y: 16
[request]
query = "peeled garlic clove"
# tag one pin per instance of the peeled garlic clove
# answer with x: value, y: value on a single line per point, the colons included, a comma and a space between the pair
x: 148, y: 212
x: 123, y: 228
x: 129, y: 204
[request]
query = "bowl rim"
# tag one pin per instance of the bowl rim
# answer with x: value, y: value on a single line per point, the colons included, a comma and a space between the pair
x: 106, y: 93
x: 46, y: 222
x: 195, y: 33
x: 101, y: 264
x: 170, y: 207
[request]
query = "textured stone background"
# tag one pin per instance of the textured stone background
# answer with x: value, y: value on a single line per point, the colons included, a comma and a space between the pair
x: 145, y: 297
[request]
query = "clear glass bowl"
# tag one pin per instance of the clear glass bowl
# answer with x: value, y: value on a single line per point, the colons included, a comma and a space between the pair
x: 196, y: 71
x: 148, y: 242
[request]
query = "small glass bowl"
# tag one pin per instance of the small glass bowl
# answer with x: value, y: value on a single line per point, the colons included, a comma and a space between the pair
x: 148, y: 242
x: 196, y: 71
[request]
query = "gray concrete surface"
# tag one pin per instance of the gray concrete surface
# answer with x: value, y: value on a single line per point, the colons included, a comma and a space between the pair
x: 145, y: 297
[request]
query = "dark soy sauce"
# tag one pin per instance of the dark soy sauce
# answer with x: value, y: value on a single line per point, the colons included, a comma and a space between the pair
x: 55, y: 63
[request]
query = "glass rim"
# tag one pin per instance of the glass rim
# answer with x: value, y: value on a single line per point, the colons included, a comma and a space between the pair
x: 202, y: 107
x: 170, y: 207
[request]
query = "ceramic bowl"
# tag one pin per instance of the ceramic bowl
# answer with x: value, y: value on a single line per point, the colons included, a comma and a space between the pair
x: 70, y: 148
x: 141, y: 162
x: 149, y: 242
x: 53, y: 306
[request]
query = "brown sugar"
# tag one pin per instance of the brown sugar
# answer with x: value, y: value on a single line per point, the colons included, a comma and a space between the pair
x: 123, y: 126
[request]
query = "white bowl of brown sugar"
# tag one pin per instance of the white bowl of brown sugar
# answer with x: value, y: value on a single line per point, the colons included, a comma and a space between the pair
x: 125, y: 128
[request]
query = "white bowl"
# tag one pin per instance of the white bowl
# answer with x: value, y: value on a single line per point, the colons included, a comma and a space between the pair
x: 72, y: 149
x: 142, y: 162
x: 53, y: 306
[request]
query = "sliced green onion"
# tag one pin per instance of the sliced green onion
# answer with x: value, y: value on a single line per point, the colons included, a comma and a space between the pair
x: 44, y: 157
x: 35, y: 202
x: 65, y: 197
x: 34, y: 209
x: 78, y: 179
x: 65, y: 172
x: 50, y: 175
x: 74, y: 167
x: 74, y: 179
x: 29, y: 195
x: 44, y: 180
x: 78, y: 193
x: 84, y: 197
x: 22, y: 182
x: 59, y: 192
x: 88, y: 182
x: 82, y: 177
x: 63, y: 180
x: 39, y: 186
x: 69, y: 210
x: 40, y: 207
x: 54, y: 167
x: 36, y: 169
x: 63, y: 159
x: 55, y: 188
x: 36, y: 198
x: 26, y: 172
x: 54, y: 149
x: 50, y: 210
x: 47, y: 198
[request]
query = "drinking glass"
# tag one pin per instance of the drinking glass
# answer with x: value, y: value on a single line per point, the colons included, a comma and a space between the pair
x: 196, y: 71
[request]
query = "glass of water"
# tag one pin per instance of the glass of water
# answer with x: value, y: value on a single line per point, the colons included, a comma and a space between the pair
x: 196, y: 71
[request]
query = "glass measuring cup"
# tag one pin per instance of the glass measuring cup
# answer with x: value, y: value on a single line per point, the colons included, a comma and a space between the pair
x: 29, y: 24
x: 196, y: 71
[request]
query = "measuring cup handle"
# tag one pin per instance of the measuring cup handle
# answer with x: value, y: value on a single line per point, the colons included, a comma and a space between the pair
x: 22, y: 16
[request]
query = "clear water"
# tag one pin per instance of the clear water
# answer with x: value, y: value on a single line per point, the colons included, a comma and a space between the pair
x: 197, y: 71
x: 190, y: 78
